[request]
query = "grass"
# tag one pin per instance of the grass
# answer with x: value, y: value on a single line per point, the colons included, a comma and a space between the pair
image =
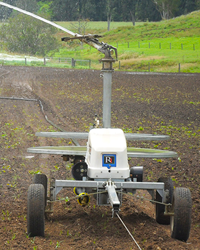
x: 166, y: 46
x: 163, y: 44
x: 98, y: 27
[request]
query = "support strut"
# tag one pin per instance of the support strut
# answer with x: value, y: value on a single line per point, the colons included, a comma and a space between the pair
x: 107, y: 70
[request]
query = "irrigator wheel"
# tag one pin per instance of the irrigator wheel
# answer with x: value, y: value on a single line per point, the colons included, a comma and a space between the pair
x: 41, y: 179
x: 36, y: 209
x: 180, y: 223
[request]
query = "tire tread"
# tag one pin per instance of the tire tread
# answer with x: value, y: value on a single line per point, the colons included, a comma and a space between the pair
x: 35, y: 211
x: 182, y: 214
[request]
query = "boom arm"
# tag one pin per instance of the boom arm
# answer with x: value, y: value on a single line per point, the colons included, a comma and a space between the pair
x: 92, y: 40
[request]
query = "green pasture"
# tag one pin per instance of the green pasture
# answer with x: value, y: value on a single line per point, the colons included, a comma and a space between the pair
x: 95, y: 27
x: 166, y: 46
x: 162, y: 55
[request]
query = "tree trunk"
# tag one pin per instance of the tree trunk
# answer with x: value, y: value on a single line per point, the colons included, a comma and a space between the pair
x: 109, y: 21
x: 132, y: 17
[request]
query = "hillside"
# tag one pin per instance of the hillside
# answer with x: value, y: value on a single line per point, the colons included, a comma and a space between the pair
x: 162, y: 45
x: 183, y: 26
x: 165, y: 46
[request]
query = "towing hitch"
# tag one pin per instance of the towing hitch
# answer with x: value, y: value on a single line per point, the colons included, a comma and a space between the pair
x: 113, y: 197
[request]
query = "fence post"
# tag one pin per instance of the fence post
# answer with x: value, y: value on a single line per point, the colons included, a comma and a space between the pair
x: 181, y: 46
x: 149, y: 45
x: 138, y: 44
x: 25, y: 61
x: 179, y: 67
x: 149, y: 67
x: 128, y: 44
x: 73, y: 63
x: 44, y: 61
x: 89, y: 64
x: 193, y: 46
x: 119, y: 65
x: 170, y: 46
x: 59, y: 59
x: 159, y: 45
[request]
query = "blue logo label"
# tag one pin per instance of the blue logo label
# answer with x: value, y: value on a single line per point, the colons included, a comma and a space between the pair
x: 109, y: 160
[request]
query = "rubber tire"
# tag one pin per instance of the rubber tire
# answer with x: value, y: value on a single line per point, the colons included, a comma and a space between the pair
x: 41, y: 179
x: 160, y: 209
x: 35, y: 211
x: 181, y: 221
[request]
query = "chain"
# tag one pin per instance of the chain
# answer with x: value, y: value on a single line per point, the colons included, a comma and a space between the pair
x: 142, y: 198
x: 77, y: 196
x: 153, y: 201
x: 90, y: 194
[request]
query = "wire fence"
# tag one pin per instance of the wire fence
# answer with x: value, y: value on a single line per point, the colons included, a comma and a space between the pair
x: 66, y: 62
x: 48, y: 61
x: 156, y: 45
x: 70, y: 61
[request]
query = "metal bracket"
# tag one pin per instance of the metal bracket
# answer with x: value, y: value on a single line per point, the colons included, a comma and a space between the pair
x: 113, y: 198
x: 169, y: 210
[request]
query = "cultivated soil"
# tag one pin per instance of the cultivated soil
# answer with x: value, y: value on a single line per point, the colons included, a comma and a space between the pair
x: 145, y: 103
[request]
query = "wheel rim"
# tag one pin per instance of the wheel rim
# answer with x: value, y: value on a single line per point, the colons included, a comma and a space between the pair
x: 172, y: 217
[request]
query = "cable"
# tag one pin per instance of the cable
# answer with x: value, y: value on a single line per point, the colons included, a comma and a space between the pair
x: 42, y: 109
x: 128, y: 231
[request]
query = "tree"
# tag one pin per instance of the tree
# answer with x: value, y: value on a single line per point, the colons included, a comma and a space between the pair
x: 129, y: 6
x: 198, y: 4
x: 23, y: 34
x: 29, y: 5
x: 146, y: 10
x: 80, y: 26
x: 45, y: 10
x: 167, y: 8
x: 110, y: 7
x: 190, y: 6
x: 100, y: 13
x: 65, y: 10
x: 6, y: 12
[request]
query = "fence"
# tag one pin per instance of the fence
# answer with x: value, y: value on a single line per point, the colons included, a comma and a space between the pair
x: 144, y: 66
x: 71, y: 62
x: 154, y: 45
x: 148, y: 67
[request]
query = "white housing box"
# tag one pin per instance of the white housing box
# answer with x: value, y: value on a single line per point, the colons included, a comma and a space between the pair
x: 106, y: 155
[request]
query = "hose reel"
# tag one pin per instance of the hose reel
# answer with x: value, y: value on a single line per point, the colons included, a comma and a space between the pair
x: 83, y: 199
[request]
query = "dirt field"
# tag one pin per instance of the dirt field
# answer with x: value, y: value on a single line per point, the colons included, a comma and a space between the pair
x: 145, y: 103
